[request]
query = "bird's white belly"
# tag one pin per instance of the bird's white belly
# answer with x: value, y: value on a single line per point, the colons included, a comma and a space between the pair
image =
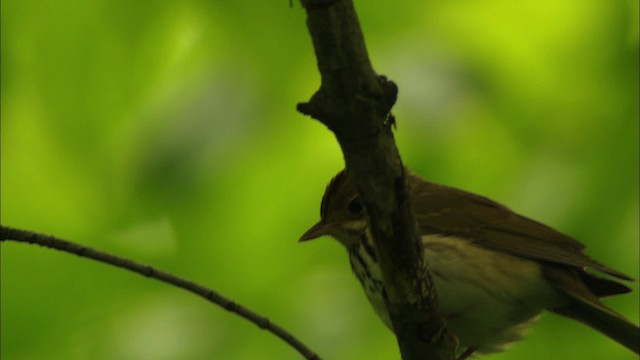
x: 488, y: 298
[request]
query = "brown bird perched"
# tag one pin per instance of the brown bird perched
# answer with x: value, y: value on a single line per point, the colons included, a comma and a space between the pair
x: 493, y: 270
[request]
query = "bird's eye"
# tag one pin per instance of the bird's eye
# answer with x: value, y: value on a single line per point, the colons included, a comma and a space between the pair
x: 355, y: 206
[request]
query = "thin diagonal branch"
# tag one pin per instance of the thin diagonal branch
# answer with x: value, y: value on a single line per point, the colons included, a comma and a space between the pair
x: 25, y: 236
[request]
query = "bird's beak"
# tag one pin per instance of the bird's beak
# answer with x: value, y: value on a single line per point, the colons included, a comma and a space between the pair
x: 317, y: 230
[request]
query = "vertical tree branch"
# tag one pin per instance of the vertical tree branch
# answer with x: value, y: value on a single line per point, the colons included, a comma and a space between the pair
x: 355, y: 103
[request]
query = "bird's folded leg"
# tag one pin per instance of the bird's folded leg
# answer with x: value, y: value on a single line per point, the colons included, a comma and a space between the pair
x: 470, y: 350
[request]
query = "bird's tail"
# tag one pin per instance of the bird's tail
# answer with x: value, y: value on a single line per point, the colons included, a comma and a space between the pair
x: 605, y: 320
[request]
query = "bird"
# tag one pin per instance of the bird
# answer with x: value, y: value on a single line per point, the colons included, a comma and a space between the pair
x: 494, y: 271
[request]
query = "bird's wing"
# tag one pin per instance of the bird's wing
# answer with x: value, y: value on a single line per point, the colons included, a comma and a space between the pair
x: 451, y: 212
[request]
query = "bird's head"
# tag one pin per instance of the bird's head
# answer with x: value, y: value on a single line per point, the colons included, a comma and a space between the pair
x: 342, y: 214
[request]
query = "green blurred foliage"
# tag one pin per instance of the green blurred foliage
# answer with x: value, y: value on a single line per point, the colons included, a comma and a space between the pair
x: 166, y: 131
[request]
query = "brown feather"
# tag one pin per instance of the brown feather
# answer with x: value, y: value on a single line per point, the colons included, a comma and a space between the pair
x: 447, y: 211
x: 585, y: 307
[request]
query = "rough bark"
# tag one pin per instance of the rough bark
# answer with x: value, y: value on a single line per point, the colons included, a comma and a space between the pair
x: 355, y: 103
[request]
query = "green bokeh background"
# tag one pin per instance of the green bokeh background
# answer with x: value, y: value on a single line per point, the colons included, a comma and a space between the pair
x: 166, y: 132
